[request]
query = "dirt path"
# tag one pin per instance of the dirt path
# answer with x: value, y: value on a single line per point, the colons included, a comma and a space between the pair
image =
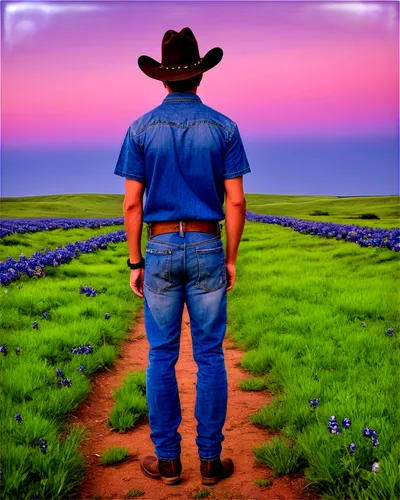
x: 113, y: 482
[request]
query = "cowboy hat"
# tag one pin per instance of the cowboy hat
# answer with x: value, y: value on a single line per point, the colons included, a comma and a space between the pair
x: 180, y: 58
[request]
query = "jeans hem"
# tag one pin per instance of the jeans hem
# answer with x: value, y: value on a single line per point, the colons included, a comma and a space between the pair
x: 164, y: 459
x: 210, y: 459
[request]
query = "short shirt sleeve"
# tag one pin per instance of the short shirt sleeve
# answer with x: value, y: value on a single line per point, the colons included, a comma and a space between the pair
x: 131, y: 161
x: 235, y: 162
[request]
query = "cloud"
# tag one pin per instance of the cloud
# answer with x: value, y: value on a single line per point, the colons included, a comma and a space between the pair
x: 24, y: 19
x: 355, y: 7
x: 373, y: 10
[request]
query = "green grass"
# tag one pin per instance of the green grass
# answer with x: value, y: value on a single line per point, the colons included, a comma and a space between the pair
x: 73, y: 319
x: 130, y: 402
x: 262, y: 482
x: 297, y: 308
x: 282, y: 457
x: 204, y: 493
x: 29, y: 243
x: 114, y: 455
x: 341, y: 209
x: 134, y: 493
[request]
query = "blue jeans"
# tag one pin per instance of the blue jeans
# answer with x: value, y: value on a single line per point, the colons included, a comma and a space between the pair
x: 185, y: 269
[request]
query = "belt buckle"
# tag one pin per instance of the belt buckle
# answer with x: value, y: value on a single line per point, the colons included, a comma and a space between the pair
x: 181, y: 228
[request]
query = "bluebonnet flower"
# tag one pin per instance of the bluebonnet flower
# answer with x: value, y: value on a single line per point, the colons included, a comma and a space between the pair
x: 59, y: 373
x: 332, y: 419
x: 12, y: 270
x: 4, y: 349
x: 59, y: 383
x: 374, y: 442
x: 17, y: 350
x: 334, y: 428
x: 83, y: 349
x: 107, y: 316
x: 45, y: 314
x: 367, y: 432
x: 346, y: 422
x: 374, y: 434
x: 362, y: 235
x: 81, y: 368
x: 18, y: 417
x: 43, y: 445
x: 67, y: 382
x: 352, y: 447
x: 375, y: 467
x: 390, y: 332
x: 363, y: 324
x: 35, y: 325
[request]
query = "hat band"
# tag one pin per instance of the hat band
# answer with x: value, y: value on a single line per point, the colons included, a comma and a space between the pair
x: 181, y: 66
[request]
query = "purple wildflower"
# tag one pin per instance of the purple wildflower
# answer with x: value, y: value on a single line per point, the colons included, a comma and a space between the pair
x: 346, y: 422
x: 43, y: 445
x: 375, y: 467
x: 59, y: 372
x: 367, y: 432
x: 374, y: 442
x: 107, y: 316
x: 67, y: 382
x: 17, y: 350
x: 390, y: 332
x: 18, y: 417
x: 81, y: 368
x: 4, y: 349
x: 35, y: 325
x: 352, y: 447
x: 45, y: 314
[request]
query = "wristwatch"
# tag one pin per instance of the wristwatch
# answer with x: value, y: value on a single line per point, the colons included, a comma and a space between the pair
x: 138, y: 265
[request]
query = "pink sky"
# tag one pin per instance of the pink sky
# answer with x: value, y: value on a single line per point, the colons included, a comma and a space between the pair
x: 290, y: 69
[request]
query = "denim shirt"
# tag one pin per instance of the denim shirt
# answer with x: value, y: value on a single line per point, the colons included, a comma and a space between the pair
x: 182, y: 150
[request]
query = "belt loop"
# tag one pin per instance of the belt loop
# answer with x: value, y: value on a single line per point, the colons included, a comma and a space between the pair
x: 181, y: 228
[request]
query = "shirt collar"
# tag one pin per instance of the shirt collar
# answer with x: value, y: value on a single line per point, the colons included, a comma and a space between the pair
x: 182, y: 97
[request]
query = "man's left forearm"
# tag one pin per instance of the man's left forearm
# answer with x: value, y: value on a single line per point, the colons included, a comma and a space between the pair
x: 133, y: 220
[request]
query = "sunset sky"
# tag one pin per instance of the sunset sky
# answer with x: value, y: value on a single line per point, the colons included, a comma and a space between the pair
x: 313, y: 87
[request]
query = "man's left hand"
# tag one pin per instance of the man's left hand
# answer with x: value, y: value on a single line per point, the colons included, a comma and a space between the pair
x: 136, y: 281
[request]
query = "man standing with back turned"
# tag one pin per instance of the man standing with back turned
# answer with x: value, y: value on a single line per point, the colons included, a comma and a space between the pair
x: 188, y: 156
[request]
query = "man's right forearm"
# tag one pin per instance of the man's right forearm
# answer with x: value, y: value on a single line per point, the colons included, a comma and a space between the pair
x: 235, y: 217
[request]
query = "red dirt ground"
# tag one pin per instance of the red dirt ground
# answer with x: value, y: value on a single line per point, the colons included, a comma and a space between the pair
x: 113, y: 482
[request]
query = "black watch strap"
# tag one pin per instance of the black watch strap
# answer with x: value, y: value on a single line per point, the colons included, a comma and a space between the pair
x: 137, y: 265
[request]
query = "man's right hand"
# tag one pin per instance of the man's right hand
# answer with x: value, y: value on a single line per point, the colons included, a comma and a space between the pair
x: 230, y: 275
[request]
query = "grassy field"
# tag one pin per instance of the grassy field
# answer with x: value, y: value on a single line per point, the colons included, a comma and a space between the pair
x: 73, y: 320
x: 29, y: 243
x: 297, y: 310
x: 341, y: 209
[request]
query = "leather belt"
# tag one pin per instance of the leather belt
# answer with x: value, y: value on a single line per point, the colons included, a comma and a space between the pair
x: 204, y: 226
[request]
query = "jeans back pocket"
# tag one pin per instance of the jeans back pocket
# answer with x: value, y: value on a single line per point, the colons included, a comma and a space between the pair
x: 211, y: 268
x: 157, y: 269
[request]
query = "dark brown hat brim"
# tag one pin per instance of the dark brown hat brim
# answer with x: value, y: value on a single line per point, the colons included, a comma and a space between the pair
x: 151, y: 67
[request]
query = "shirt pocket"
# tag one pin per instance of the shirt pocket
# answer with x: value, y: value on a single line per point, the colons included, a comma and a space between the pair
x: 211, y: 268
x: 157, y: 269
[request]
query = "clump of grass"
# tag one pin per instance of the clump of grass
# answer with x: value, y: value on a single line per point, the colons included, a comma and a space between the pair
x: 130, y: 402
x: 262, y: 482
x: 203, y: 493
x: 253, y: 384
x: 134, y: 493
x: 273, y: 416
x: 114, y: 455
x: 282, y: 457
x: 369, y: 216
x: 318, y: 212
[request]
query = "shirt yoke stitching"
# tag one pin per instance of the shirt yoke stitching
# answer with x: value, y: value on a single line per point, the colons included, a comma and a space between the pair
x: 163, y: 122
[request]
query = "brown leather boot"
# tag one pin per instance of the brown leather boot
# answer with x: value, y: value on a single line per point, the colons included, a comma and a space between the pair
x: 215, y: 470
x: 168, y: 470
